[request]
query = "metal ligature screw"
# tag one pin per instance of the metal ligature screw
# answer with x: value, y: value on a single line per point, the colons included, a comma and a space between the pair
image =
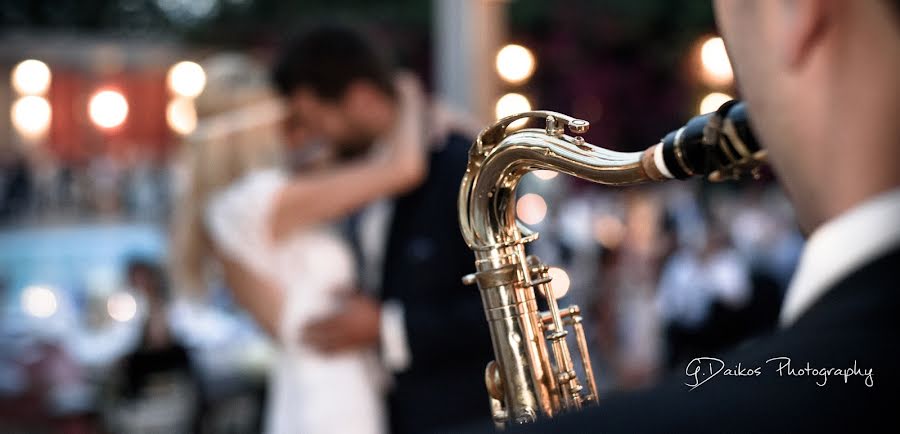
x: 579, y: 126
x: 579, y: 141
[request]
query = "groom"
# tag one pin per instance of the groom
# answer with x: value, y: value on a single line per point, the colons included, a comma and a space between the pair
x: 429, y: 328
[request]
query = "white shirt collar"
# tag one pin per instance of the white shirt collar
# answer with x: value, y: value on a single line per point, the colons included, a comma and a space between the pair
x: 840, y: 246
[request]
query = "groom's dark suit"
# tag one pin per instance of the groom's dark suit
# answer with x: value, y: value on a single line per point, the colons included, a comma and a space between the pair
x: 424, y: 261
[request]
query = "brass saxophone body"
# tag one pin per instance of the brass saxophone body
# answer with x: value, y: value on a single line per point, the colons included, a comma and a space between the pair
x: 534, y: 375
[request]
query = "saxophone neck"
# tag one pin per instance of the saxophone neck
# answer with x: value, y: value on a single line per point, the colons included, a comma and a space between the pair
x: 498, y: 159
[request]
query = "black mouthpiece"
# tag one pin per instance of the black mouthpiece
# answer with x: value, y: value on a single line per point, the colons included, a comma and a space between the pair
x: 716, y: 141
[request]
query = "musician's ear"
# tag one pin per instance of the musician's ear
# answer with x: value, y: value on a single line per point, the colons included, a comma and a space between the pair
x: 802, y: 26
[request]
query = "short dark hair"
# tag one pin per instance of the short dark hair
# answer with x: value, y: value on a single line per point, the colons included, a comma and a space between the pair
x: 153, y: 271
x: 327, y: 60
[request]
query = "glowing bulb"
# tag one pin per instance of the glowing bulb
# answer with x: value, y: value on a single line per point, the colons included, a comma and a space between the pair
x: 510, y: 104
x: 31, y: 77
x: 39, y: 301
x: 716, y: 66
x: 31, y: 116
x: 186, y: 79
x: 713, y: 101
x: 121, y: 306
x: 515, y: 63
x: 531, y: 209
x: 108, y: 109
x: 560, y: 282
x: 181, y: 115
x: 545, y: 175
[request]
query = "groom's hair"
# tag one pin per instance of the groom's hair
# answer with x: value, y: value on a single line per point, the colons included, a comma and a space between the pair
x: 327, y: 59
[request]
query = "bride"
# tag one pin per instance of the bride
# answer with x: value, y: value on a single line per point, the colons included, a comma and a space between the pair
x: 274, y: 234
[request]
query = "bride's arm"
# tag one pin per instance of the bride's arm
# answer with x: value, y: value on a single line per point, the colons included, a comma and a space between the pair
x: 259, y: 296
x: 309, y: 199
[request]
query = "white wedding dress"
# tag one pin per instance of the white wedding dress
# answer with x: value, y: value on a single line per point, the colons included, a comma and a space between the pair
x: 309, y: 393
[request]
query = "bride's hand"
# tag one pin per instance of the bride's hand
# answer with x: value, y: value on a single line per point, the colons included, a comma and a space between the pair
x: 356, y: 325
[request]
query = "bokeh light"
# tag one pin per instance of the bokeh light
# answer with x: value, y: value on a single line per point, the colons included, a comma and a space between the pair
x: 31, y: 77
x: 31, y: 115
x: 515, y: 63
x: 186, y: 79
x: 545, y: 175
x: 108, y: 109
x: 39, y: 301
x: 716, y: 67
x: 560, y: 282
x: 181, y: 115
x: 531, y: 209
x: 713, y: 101
x: 510, y: 104
x: 121, y: 306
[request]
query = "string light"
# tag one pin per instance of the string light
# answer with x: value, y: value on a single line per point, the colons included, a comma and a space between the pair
x: 716, y: 66
x: 510, y: 104
x: 713, y: 101
x: 121, y: 306
x: 531, y: 209
x: 560, y: 282
x: 108, y: 109
x: 545, y: 175
x: 31, y: 116
x: 187, y: 79
x: 39, y: 301
x: 515, y: 63
x: 181, y: 115
x: 31, y: 77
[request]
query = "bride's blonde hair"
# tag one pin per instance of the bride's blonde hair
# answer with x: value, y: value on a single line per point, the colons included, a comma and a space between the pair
x: 239, y: 130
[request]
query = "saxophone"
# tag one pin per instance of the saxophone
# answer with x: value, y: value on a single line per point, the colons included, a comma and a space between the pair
x: 533, y: 374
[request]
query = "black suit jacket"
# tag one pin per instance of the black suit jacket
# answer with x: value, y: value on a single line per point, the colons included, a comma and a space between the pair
x: 425, y: 260
x: 855, y: 323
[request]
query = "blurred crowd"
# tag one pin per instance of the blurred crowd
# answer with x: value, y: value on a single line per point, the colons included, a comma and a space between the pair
x: 97, y: 331
x: 44, y: 189
x: 669, y: 272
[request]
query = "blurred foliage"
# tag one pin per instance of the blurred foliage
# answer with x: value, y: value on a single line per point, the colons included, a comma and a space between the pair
x: 234, y: 21
x: 625, y: 65
x: 221, y: 22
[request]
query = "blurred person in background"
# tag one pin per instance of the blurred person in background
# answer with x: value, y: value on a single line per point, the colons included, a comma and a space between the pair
x: 409, y: 301
x: 106, y: 175
x: 15, y: 183
x: 702, y: 286
x: 146, y: 186
x: 155, y: 388
x: 820, y: 82
x: 629, y: 276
